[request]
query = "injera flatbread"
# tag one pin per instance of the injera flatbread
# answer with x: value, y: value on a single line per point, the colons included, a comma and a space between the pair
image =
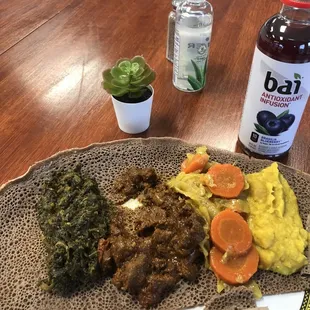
x: 22, y: 255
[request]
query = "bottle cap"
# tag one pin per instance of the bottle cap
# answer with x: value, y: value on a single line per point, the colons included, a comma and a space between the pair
x: 177, y: 2
x: 302, y: 4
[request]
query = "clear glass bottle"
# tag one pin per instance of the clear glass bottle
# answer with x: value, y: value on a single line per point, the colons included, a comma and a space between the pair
x: 279, y: 83
x: 171, y: 30
x: 194, y: 19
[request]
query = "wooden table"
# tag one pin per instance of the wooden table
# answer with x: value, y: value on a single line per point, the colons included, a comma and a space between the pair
x: 52, y: 57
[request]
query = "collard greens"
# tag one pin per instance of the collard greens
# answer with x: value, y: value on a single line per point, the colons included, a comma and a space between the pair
x: 73, y: 217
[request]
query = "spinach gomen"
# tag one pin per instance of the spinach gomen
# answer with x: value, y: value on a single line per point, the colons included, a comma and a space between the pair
x: 73, y: 217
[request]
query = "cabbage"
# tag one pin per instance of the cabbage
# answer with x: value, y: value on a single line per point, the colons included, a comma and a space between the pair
x: 251, y: 285
x: 191, y: 186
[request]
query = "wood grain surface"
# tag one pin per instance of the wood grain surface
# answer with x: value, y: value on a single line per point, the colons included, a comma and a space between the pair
x: 50, y: 76
x: 19, y: 18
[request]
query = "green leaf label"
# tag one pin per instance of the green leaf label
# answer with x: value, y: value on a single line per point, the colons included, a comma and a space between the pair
x: 297, y: 76
x: 198, y: 73
x: 283, y: 114
x: 199, y: 81
x: 261, y: 129
x: 196, y: 85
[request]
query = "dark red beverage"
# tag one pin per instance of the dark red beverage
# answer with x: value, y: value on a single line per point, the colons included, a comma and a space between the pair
x: 279, y: 84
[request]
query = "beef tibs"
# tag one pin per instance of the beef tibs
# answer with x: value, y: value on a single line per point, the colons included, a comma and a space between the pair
x: 154, y: 246
x: 135, y: 180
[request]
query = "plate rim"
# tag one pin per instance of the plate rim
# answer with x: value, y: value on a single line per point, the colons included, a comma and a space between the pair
x: 54, y: 156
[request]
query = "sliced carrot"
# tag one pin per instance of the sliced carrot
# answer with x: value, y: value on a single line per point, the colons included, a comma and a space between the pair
x: 196, y: 164
x: 225, y: 180
x: 231, y: 233
x: 235, y: 270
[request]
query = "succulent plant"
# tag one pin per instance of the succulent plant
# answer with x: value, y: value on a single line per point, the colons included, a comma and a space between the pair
x: 128, y: 76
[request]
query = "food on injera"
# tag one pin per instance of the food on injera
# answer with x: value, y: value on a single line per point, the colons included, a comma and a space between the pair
x: 22, y: 255
x: 151, y: 248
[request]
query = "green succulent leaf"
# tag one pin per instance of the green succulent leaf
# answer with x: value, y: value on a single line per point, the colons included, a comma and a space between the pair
x: 139, y: 60
x: 142, y: 72
x: 146, y: 71
x: 134, y: 68
x: 145, y: 80
x: 139, y: 72
x: 149, y: 79
x: 120, y: 82
x: 119, y: 92
x: 261, y: 129
x: 128, y: 76
x: 107, y: 86
x: 106, y: 74
x: 125, y: 66
x: 117, y: 72
x: 114, y: 90
x: 133, y: 89
x: 194, y: 83
x: 121, y: 60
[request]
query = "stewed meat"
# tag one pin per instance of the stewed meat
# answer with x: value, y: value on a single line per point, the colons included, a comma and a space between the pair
x: 154, y: 246
x: 134, y: 181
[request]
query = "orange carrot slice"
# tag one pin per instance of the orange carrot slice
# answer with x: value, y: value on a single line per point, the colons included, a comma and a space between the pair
x: 196, y: 164
x: 231, y: 233
x: 235, y: 270
x: 225, y: 180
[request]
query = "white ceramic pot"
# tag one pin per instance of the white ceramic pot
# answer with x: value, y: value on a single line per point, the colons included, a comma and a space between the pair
x: 133, y: 118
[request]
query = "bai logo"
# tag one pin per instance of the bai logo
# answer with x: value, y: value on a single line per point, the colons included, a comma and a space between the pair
x: 289, y: 88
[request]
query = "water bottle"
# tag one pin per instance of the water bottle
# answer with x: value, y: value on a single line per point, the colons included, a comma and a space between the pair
x: 171, y: 30
x: 194, y: 19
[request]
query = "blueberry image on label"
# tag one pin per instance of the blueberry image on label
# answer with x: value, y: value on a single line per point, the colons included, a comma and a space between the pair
x: 271, y: 125
x: 275, y: 126
x: 264, y: 116
x: 288, y: 120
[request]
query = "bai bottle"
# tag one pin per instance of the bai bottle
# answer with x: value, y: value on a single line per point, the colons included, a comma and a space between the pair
x: 193, y: 28
x: 279, y: 83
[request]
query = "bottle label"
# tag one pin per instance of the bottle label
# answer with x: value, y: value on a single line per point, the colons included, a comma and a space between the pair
x: 276, y: 98
x: 191, y: 49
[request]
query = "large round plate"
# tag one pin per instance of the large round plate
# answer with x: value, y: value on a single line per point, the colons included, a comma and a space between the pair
x: 22, y: 255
